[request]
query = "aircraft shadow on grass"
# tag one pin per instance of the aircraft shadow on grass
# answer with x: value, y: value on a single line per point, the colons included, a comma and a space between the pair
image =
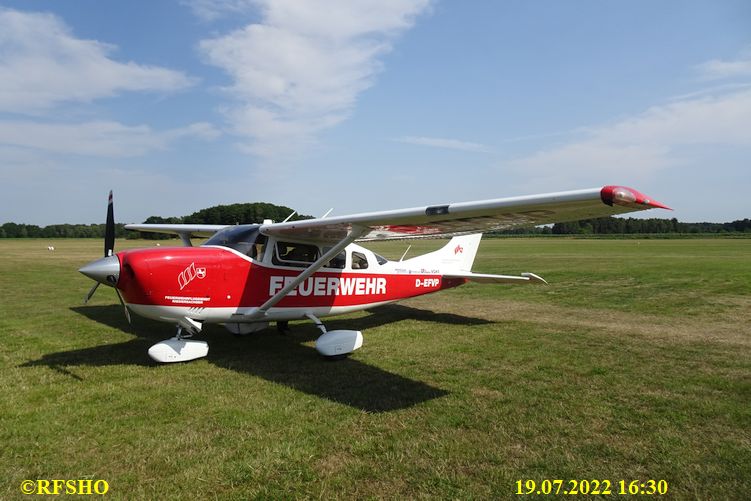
x: 280, y: 359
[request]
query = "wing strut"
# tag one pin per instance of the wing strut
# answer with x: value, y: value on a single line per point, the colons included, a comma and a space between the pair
x: 354, y: 234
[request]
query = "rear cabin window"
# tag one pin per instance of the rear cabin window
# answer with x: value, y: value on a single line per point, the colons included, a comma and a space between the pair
x: 294, y: 254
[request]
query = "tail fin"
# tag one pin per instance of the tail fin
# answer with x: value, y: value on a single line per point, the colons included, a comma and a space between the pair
x: 455, y: 257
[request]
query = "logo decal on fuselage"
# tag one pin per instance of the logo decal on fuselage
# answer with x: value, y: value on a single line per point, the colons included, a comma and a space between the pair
x: 189, y: 274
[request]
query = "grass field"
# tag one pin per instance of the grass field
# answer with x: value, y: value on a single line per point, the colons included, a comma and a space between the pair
x: 633, y: 364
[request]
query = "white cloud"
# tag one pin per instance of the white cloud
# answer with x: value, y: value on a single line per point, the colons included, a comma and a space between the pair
x: 719, y: 69
x: 211, y: 10
x: 342, y: 19
x: 451, y: 144
x: 101, y: 139
x: 707, y: 122
x: 719, y: 119
x: 642, y: 145
x: 300, y: 70
x: 712, y: 91
x: 43, y: 65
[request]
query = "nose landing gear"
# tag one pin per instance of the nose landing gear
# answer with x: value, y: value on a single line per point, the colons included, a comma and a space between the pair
x: 180, y: 348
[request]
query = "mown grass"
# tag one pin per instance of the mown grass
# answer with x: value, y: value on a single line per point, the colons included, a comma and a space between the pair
x: 633, y: 364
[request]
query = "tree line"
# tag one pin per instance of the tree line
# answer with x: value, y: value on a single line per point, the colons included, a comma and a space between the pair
x: 220, y: 214
x: 13, y: 230
x: 626, y: 226
x: 632, y: 226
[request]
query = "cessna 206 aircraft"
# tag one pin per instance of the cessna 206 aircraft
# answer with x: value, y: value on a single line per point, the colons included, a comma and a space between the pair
x: 245, y: 276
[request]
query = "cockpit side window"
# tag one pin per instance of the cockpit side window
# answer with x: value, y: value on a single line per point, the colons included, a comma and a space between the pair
x: 259, y: 248
x: 294, y: 254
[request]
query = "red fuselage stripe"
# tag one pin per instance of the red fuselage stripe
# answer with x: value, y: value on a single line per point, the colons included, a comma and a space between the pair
x: 216, y: 278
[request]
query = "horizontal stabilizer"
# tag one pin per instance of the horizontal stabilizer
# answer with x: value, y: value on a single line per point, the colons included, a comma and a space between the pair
x: 484, y: 278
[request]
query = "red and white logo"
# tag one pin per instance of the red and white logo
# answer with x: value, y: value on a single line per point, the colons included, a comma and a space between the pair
x: 190, y: 273
x: 458, y: 250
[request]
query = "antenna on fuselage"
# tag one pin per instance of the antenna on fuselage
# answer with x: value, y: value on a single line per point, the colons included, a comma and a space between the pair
x: 405, y: 253
x: 327, y: 213
x: 290, y: 216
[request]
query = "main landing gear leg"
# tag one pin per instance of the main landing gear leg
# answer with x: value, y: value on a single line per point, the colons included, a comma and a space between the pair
x: 337, y: 344
x: 317, y: 322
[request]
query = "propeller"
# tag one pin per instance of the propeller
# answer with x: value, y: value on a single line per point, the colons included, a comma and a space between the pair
x: 90, y: 294
x: 109, y: 229
x: 125, y: 307
x: 109, y: 243
x: 106, y: 270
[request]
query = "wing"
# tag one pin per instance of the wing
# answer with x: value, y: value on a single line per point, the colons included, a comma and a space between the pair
x: 468, y: 217
x: 184, y: 231
x: 196, y: 230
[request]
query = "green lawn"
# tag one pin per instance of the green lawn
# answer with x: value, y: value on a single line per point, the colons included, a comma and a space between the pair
x: 633, y: 364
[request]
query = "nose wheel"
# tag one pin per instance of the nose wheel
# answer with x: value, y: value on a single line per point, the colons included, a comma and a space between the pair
x: 181, y: 348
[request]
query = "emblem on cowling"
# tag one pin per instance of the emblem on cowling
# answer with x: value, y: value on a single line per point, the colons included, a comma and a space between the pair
x: 189, y: 274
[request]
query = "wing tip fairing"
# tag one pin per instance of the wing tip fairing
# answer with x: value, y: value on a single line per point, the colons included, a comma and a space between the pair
x: 629, y: 197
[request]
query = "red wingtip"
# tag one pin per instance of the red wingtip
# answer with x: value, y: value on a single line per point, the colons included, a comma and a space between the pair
x: 629, y: 197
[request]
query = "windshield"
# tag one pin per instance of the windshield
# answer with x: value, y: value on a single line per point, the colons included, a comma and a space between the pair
x: 243, y: 238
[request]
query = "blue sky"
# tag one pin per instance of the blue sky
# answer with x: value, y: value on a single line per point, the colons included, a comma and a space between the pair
x: 377, y: 104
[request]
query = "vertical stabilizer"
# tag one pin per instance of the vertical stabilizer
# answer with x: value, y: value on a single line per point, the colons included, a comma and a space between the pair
x: 454, y: 257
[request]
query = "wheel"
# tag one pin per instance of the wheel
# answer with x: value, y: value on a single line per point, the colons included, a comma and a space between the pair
x: 334, y: 358
x: 282, y: 327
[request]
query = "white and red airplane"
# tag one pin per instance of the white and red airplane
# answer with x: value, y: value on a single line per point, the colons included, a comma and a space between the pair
x: 248, y: 275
